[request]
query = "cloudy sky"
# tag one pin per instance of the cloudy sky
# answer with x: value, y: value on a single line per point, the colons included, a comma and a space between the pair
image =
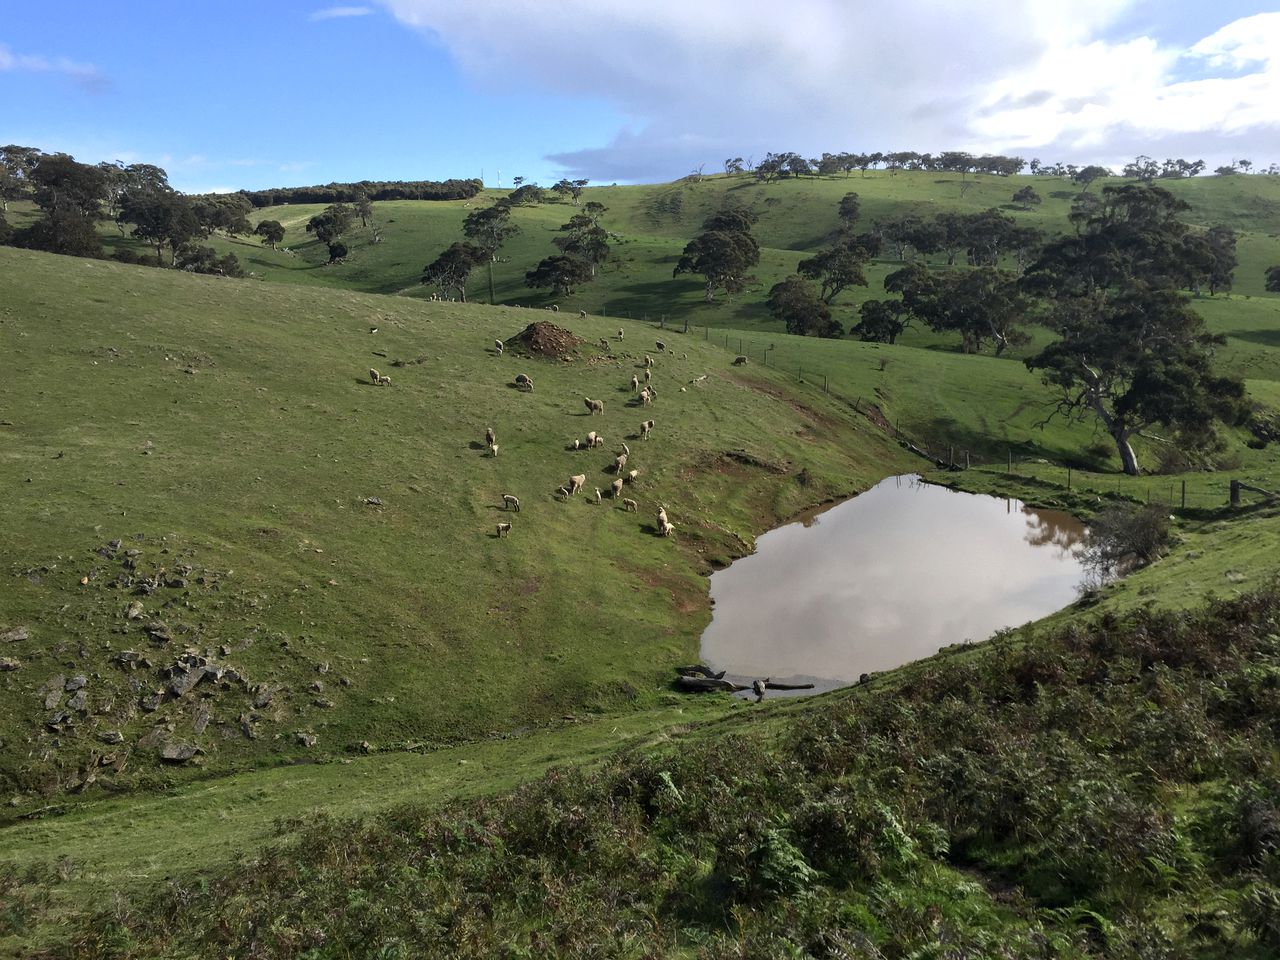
x: 243, y: 93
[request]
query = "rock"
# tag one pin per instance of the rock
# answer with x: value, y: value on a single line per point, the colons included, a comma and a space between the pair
x: 133, y: 611
x: 246, y: 727
x: 75, y: 683
x: 316, y: 686
x: 322, y: 667
x: 14, y: 634
x: 111, y: 736
x: 151, y: 702
x: 158, y: 631
x: 323, y: 704
x: 345, y: 681
x: 202, y: 719
x: 176, y: 583
x: 178, y: 752
x: 127, y: 658
x: 78, y: 702
x: 114, y: 544
x: 8, y: 664
x: 183, y: 681
x: 53, y: 692
x: 307, y: 739
x: 263, y: 696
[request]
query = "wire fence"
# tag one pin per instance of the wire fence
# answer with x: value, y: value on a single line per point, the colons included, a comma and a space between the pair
x: 1024, y: 459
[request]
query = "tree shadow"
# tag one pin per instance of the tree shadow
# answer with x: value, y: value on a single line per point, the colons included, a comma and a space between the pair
x: 1267, y: 338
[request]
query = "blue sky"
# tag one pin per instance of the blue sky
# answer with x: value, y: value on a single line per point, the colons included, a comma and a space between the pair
x: 254, y: 94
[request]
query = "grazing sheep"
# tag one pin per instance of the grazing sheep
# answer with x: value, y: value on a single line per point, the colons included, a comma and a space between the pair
x: 635, y: 383
x: 626, y: 450
x: 630, y: 505
x: 489, y: 435
x: 493, y: 449
x: 576, y: 482
x: 564, y: 494
x: 582, y: 314
x: 598, y: 442
x: 653, y: 392
x: 575, y: 444
x: 591, y: 439
x: 662, y: 515
x: 619, y: 462
x: 661, y: 346
x: 511, y: 502
x: 616, y: 486
x: 498, y: 345
x: 646, y: 397
x: 739, y: 361
x: 619, y: 333
x: 604, y: 344
x: 594, y: 406
x: 599, y: 496
x: 555, y: 308
x: 524, y: 382
x: 648, y: 360
x: 646, y: 428
x: 632, y: 475
x: 699, y: 379
x: 378, y: 379
x: 648, y: 375
x: 666, y: 528
x: 504, y: 529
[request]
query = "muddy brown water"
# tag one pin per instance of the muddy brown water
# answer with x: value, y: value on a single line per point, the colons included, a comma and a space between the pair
x: 885, y: 578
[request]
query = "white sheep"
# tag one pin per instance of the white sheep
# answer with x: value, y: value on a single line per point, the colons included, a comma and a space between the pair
x: 632, y: 475
x: 648, y: 360
x: 599, y: 496
x: 630, y: 505
x: 635, y: 383
x: 489, y: 436
x: 576, y: 482
x: 575, y: 444
x: 662, y: 515
x: 591, y: 439
x: 598, y: 442
x: 699, y: 379
x: 376, y: 378
x: 582, y: 314
x: 564, y: 494
x: 616, y: 487
x: 626, y: 449
x: 504, y: 529
x: 620, y: 333
x: 646, y: 397
x: 619, y: 462
x: 554, y: 308
x: 604, y: 344
x: 666, y: 528
x: 493, y: 449
x: 524, y: 382
x: 648, y: 375
x: 511, y: 502
x: 594, y: 406
x: 646, y: 428
x: 498, y: 345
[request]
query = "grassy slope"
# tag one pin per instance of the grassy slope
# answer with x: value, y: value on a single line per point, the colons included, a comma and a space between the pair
x: 254, y: 471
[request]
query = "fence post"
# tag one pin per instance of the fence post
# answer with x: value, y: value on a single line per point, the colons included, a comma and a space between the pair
x: 1009, y: 469
x: 1184, y: 494
x: 1235, y: 493
x: 951, y: 456
x: 824, y: 383
x: 966, y: 459
x: 800, y: 373
x: 1069, y: 479
x: 686, y: 323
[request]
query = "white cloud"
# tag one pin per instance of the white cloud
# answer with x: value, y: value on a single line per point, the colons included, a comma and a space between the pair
x: 716, y: 78
x: 86, y: 74
x: 333, y: 13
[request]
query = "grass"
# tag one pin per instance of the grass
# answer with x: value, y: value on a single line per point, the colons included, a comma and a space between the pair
x: 336, y: 540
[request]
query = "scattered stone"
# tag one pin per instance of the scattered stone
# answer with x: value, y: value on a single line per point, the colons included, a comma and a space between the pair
x: 316, y: 686
x: 111, y: 736
x: 53, y: 692
x: 373, y: 501
x: 75, y: 683
x: 181, y: 681
x: 134, y: 611
x: 202, y: 719
x: 151, y: 703
x: 178, y: 752
x: 176, y: 583
x: 127, y: 658
x: 307, y: 739
x: 14, y: 634
x: 366, y: 746
x: 246, y: 727
x: 224, y: 650
x: 57, y: 720
x: 323, y: 704
x: 322, y: 667
x: 158, y: 631
x: 79, y: 701
x: 345, y: 681
x: 263, y: 696
x: 8, y: 664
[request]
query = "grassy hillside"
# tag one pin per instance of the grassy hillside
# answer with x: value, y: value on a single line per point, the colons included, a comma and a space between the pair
x: 212, y: 452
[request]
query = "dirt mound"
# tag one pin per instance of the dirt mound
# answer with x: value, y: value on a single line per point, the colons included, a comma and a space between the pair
x: 544, y: 339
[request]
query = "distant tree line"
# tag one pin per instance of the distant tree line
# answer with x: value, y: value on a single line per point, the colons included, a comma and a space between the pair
x: 373, y: 190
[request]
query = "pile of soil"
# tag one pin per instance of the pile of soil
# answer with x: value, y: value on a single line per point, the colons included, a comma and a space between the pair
x: 546, y: 340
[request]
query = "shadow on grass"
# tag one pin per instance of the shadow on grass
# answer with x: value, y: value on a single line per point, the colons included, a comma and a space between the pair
x: 942, y: 436
x: 1267, y: 338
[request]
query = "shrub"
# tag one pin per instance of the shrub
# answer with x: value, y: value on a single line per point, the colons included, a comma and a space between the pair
x: 1124, y: 537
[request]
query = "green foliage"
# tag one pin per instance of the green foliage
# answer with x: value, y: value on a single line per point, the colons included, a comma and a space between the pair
x: 882, y: 321
x: 983, y: 304
x: 724, y: 253
x: 271, y: 231
x: 796, y: 304
x: 451, y: 270
x: 563, y: 274
x: 839, y: 266
x: 1273, y: 279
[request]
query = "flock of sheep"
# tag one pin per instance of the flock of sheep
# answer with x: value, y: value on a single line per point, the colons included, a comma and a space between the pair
x: 577, y: 482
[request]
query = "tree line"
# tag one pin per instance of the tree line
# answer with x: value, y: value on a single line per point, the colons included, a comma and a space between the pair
x: 373, y: 190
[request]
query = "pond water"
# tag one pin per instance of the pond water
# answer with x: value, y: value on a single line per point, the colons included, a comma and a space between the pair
x: 888, y: 577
